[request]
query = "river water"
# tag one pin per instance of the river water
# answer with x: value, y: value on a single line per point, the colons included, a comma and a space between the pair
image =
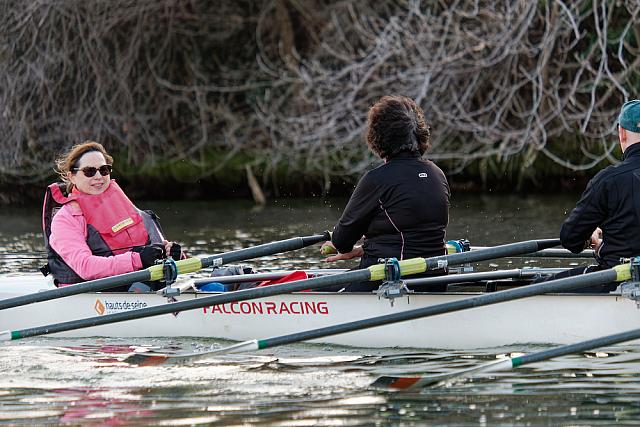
x: 83, y: 381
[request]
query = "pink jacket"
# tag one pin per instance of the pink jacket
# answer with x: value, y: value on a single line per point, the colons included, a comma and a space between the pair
x: 69, y: 239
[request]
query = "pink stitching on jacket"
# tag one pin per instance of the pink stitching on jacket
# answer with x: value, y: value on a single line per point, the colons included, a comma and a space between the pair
x: 394, y: 226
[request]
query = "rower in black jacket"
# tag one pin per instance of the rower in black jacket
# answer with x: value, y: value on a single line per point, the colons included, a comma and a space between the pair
x: 607, y: 217
x: 400, y: 208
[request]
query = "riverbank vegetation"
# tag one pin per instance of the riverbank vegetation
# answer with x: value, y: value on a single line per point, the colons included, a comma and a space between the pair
x: 194, y: 96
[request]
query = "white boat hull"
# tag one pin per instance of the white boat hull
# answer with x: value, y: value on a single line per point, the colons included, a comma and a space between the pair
x: 557, y: 319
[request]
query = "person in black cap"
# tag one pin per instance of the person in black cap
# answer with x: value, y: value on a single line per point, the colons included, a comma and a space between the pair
x: 400, y: 208
x: 607, y: 217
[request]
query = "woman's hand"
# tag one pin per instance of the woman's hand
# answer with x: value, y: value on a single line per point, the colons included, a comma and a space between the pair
x: 356, y: 252
x: 149, y: 254
x: 174, y: 250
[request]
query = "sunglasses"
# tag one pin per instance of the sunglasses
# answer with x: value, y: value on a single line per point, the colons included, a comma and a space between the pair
x: 90, y: 171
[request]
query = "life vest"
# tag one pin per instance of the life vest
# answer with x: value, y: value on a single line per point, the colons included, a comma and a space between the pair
x: 114, y: 225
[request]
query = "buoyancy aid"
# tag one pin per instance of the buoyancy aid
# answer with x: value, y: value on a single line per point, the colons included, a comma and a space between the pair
x: 114, y: 225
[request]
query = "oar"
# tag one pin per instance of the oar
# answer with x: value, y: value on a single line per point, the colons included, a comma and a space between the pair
x: 375, y: 272
x: 552, y: 253
x: 618, y: 273
x: 23, y: 255
x: 516, y: 273
x: 406, y: 383
x: 156, y: 273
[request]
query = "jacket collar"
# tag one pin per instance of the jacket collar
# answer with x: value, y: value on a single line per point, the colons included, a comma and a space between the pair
x: 632, y: 151
x: 406, y: 155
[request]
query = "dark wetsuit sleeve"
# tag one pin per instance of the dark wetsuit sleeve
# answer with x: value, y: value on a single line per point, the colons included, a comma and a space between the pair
x: 588, y: 214
x: 356, y: 217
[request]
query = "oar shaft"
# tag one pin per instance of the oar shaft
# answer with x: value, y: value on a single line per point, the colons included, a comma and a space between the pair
x: 560, y: 285
x: 264, y: 250
x: 507, y: 363
x: 90, y: 286
x: 576, y: 348
x: 516, y: 273
x: 442, y: 261
x: 550, y: 253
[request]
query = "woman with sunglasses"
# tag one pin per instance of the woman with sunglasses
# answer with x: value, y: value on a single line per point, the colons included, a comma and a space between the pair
x: 91, y: 228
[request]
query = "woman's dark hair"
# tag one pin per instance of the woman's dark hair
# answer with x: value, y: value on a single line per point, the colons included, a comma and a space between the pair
x: 396, y: 123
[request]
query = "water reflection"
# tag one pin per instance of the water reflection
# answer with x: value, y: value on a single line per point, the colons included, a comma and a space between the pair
x: 307, y: 385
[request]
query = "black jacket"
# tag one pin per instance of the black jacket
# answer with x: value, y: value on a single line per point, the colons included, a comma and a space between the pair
x: 402, y: 209
x: 611, y: 201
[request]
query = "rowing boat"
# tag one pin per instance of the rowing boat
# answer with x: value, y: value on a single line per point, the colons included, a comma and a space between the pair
x: 543, y: 319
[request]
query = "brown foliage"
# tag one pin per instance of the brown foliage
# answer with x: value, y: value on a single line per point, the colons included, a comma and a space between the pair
x: 291, y: 81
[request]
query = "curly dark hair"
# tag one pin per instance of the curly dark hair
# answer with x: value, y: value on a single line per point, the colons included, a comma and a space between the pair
x: 395, y: 124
